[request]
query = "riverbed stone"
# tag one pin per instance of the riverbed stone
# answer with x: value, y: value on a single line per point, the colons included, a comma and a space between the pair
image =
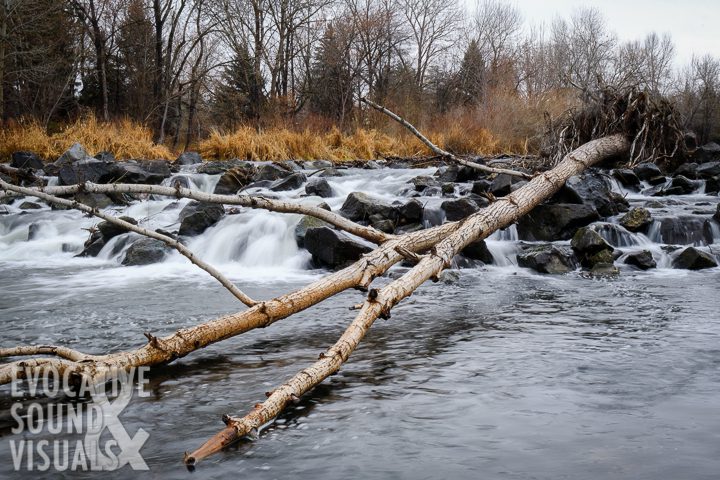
x: 188, y: 158
x: 647, y: 171
x: 459, y: 209
x: 638, y: 219
x: 478, y: 250
x: 591, y: 188
x: 708, y: 169
x: 197, y: 217
x: 145, y: 251
x: 291, y: 182
x: 686, y: 185
x: 588, y: 241
x: 422, y: 182
x: 550, y: 222
x: 27, y: 205
x: 271, y: 171
x: 331, y: 248
x: 360, y: 206
x: 319, y: 186
x: 26, y: 160
x: 548, y: 259
x: 707, y: 153
x: 626, y: 177
x: 235, y: 178
x: 307, y: 222
x: 642, y: 260
x: 694, y: 259
x: 110, y: 230
x: 687, y: 170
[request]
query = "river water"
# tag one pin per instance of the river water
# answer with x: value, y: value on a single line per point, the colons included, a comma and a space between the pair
x: 503, y: 373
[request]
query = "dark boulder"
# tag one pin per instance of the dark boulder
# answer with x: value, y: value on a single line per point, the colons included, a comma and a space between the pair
x: 478, y: 250
x: 221, y: 166
x: 333, y: 249
x: 626, y: 177
x: 712, y: 184
x: 647, y: 171
x: 110, y: 230
x: 684, y: 184
x: 188, y: 158
x: 234, y: 179
x: 105, y: 156
x: 422, y: 182
x: 197, y: 217
x: 90, y: 170
x: 29, y: 206
x: 133, y: 172
x: 411, y: 212
x: 291, y: 182
x: 637, y: 220
x: 693, y: 259
x: 548, y: 259
x: 481, y: 187
x: 360, y: 206
x: 687, y: 170
x: 591, y: 188
x: 94, y: 200
x: 306, y: 223
x: 642, y: 260
x: 33, y: 231
x: 503, y: 184
x: 26, y: 160
x: 459, y: 209
x: 588, y: 241
x: 271, y: 171
x: 75, y: 153
x: 145, y: 251
x: 685, y: 230
x: 555, y: 221
x: 708, y: 169
x: 716, y: 217
x: 710, y: 152
x: 319, y: 186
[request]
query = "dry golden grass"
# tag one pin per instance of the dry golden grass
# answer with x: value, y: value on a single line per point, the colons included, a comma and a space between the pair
x: 505, y: 123
x: 124, y: 139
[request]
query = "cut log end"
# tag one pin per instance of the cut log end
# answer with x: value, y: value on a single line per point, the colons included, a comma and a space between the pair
x: 224, y: 438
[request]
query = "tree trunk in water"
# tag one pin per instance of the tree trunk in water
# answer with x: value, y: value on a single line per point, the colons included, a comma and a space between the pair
x: 500, y: 214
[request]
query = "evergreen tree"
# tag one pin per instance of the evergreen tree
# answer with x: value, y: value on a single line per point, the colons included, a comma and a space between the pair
x: 239, y: 95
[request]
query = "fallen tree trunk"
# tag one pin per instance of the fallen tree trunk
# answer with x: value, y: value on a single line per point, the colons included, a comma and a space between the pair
x: 500, y: 214
x: 439, y: 151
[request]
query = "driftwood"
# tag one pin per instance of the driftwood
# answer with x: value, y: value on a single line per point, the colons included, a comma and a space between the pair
x: 431, y: 250
x: 502, y: 213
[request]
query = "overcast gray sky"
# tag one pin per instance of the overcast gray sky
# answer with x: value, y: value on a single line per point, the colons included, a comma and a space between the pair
x: 693, y: 24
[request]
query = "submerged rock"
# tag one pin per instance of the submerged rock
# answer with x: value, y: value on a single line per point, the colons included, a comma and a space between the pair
x: 331, y: 248
x: 548, y: 259
x: 637, y: 220
x: 197, y: 217
x: 693, y: 259
x: 642, y: 260
x: 145, y: 251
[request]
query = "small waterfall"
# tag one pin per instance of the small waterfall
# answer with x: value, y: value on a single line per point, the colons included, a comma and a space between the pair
x: 504, y: 246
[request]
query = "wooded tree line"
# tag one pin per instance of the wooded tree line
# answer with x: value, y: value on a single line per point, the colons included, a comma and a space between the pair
x: 184, y: 67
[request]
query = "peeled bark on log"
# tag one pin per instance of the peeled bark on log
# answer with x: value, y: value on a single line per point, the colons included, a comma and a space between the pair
x: 500, y: 214
x: 439, y: 151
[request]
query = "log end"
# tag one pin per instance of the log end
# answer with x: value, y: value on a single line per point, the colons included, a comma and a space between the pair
x: 220, y: 440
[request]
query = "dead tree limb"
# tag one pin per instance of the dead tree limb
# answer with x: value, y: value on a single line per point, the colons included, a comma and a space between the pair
x: 504, y: 212
x: 171, y: 242
x: 184, y: 341
x: 367, y: 233
x: 439, y: 151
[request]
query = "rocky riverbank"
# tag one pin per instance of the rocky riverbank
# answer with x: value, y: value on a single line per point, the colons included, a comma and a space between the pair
x: 598, y: 222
